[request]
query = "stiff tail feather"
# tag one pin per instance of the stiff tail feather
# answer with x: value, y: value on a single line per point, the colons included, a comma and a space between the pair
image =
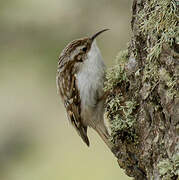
x: 105, y: 136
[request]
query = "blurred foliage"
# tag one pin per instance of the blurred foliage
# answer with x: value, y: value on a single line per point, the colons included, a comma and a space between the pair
x: 36, y: 141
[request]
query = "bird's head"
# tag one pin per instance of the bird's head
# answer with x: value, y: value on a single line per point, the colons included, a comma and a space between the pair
x: 78, y: 49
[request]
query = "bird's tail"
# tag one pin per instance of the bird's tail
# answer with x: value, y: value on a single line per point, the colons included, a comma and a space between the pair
x: 103, y: 133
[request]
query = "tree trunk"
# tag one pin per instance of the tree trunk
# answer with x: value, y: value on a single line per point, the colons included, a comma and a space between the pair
x: 143, y: 104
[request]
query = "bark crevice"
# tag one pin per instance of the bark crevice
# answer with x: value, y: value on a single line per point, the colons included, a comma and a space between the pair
x: 143, y: 103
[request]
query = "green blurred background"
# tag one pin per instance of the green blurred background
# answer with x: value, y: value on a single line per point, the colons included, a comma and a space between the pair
x: 36, y: 140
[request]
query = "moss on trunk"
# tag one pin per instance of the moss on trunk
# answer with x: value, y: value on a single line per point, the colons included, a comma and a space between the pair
x: 143, y: 101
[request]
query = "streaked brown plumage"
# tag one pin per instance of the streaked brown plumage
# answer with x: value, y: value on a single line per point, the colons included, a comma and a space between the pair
x: 80, y: 77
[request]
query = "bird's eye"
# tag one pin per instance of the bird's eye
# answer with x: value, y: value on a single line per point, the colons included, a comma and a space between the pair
x: 84, y: 49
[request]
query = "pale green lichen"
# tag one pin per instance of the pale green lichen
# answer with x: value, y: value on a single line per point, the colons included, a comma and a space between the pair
x: 158, y: 22
x: 120, y: 110
x: 169, y: 167
x: 170, y: 81
x: 122, y: 118
x: 122, y: 57
x: 116, y: 74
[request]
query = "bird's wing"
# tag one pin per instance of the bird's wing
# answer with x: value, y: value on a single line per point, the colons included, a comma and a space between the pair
x: 72, y: 104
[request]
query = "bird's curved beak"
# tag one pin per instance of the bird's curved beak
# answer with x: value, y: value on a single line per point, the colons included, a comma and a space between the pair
x: 98, y: 33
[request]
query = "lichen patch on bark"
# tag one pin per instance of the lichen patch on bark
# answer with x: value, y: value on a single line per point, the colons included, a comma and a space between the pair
x: 143, y: 87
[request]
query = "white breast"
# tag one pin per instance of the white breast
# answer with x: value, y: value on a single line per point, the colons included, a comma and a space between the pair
x: 90, y: 77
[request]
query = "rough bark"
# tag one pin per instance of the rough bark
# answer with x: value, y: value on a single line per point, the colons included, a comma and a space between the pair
x: 143, y: 103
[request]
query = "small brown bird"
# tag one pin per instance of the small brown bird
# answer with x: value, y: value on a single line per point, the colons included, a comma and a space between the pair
x: 80, y: 79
